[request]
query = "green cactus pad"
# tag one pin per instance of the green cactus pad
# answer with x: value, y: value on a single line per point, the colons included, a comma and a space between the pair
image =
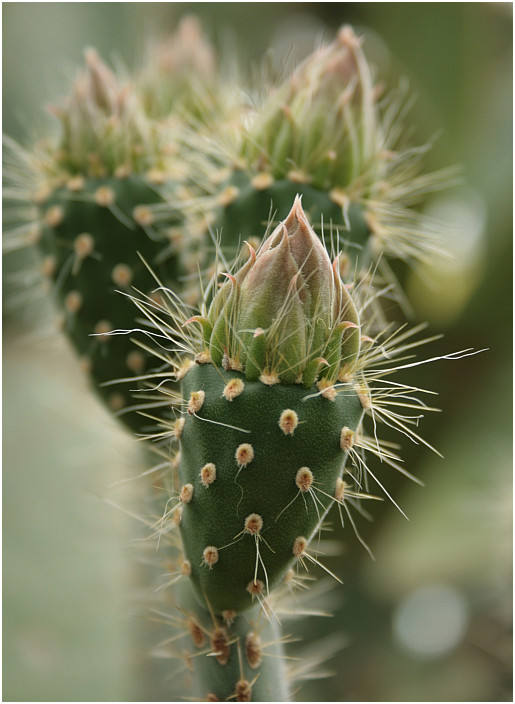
x: 90, y: 242
x: 239, y: 466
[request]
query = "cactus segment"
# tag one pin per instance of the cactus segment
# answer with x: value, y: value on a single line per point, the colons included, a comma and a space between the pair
x: 322, y: 124
x: 261, y: 450
x: 102, y: 189
x: 257, y: 507
x: 327, y: 132
x: 91, y: 242
x: 233, y: 657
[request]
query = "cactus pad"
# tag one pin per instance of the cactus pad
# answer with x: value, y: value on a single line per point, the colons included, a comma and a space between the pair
x: 278, y: 456
x: 90, y: 242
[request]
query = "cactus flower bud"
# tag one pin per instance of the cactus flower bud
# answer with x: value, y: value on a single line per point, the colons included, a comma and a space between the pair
x: 104, y: 127
x: 181, y: 78
x: 285, y: 316
x: 324, y: 120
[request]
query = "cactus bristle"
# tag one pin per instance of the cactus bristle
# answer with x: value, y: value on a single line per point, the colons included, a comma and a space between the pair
x: 288, y: 421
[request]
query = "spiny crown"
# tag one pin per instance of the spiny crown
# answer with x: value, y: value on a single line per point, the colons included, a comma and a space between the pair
x: 285, y: 315
x: 323, y: 120
x: 178, y: 71
x: 104, y: 130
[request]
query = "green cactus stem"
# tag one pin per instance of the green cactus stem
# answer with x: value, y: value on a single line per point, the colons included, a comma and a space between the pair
x: 231, y: 656
x: 260, y: 467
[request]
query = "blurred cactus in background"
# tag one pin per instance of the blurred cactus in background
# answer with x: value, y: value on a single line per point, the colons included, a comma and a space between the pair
x: 328, y: 133
x: 178, y: 73
x: 103, y: 194
x: 228, y: 269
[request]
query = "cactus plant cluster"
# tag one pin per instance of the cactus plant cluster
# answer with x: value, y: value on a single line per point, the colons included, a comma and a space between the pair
x: 256, y: 388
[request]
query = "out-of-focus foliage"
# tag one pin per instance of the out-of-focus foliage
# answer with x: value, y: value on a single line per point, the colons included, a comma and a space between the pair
x: 431, y: 618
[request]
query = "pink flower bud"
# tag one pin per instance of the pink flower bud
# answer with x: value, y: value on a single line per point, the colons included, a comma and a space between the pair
x: 275, y: 318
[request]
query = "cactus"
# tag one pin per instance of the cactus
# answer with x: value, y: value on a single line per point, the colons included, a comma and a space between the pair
x: 266, y: 389
x: 278, y: 379
x: 103, y: 195
x: 263, y: 339
x: 125, y: 181
x: 328, y: 134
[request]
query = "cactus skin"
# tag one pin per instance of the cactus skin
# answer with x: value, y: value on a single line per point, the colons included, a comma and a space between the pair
x: 90, y: 251
x: 216, y: 513
x: 255, y: 667
x: 256, y: 196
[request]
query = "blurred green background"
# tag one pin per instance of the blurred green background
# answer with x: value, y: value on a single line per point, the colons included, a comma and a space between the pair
x: 430, y: 620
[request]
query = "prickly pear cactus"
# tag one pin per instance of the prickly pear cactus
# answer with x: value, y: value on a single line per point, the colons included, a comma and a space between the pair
x: 266, y: 435
x: 102, y: 194
x: 280, y: 367
x: 328, y: 134
x: 272, y: 402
